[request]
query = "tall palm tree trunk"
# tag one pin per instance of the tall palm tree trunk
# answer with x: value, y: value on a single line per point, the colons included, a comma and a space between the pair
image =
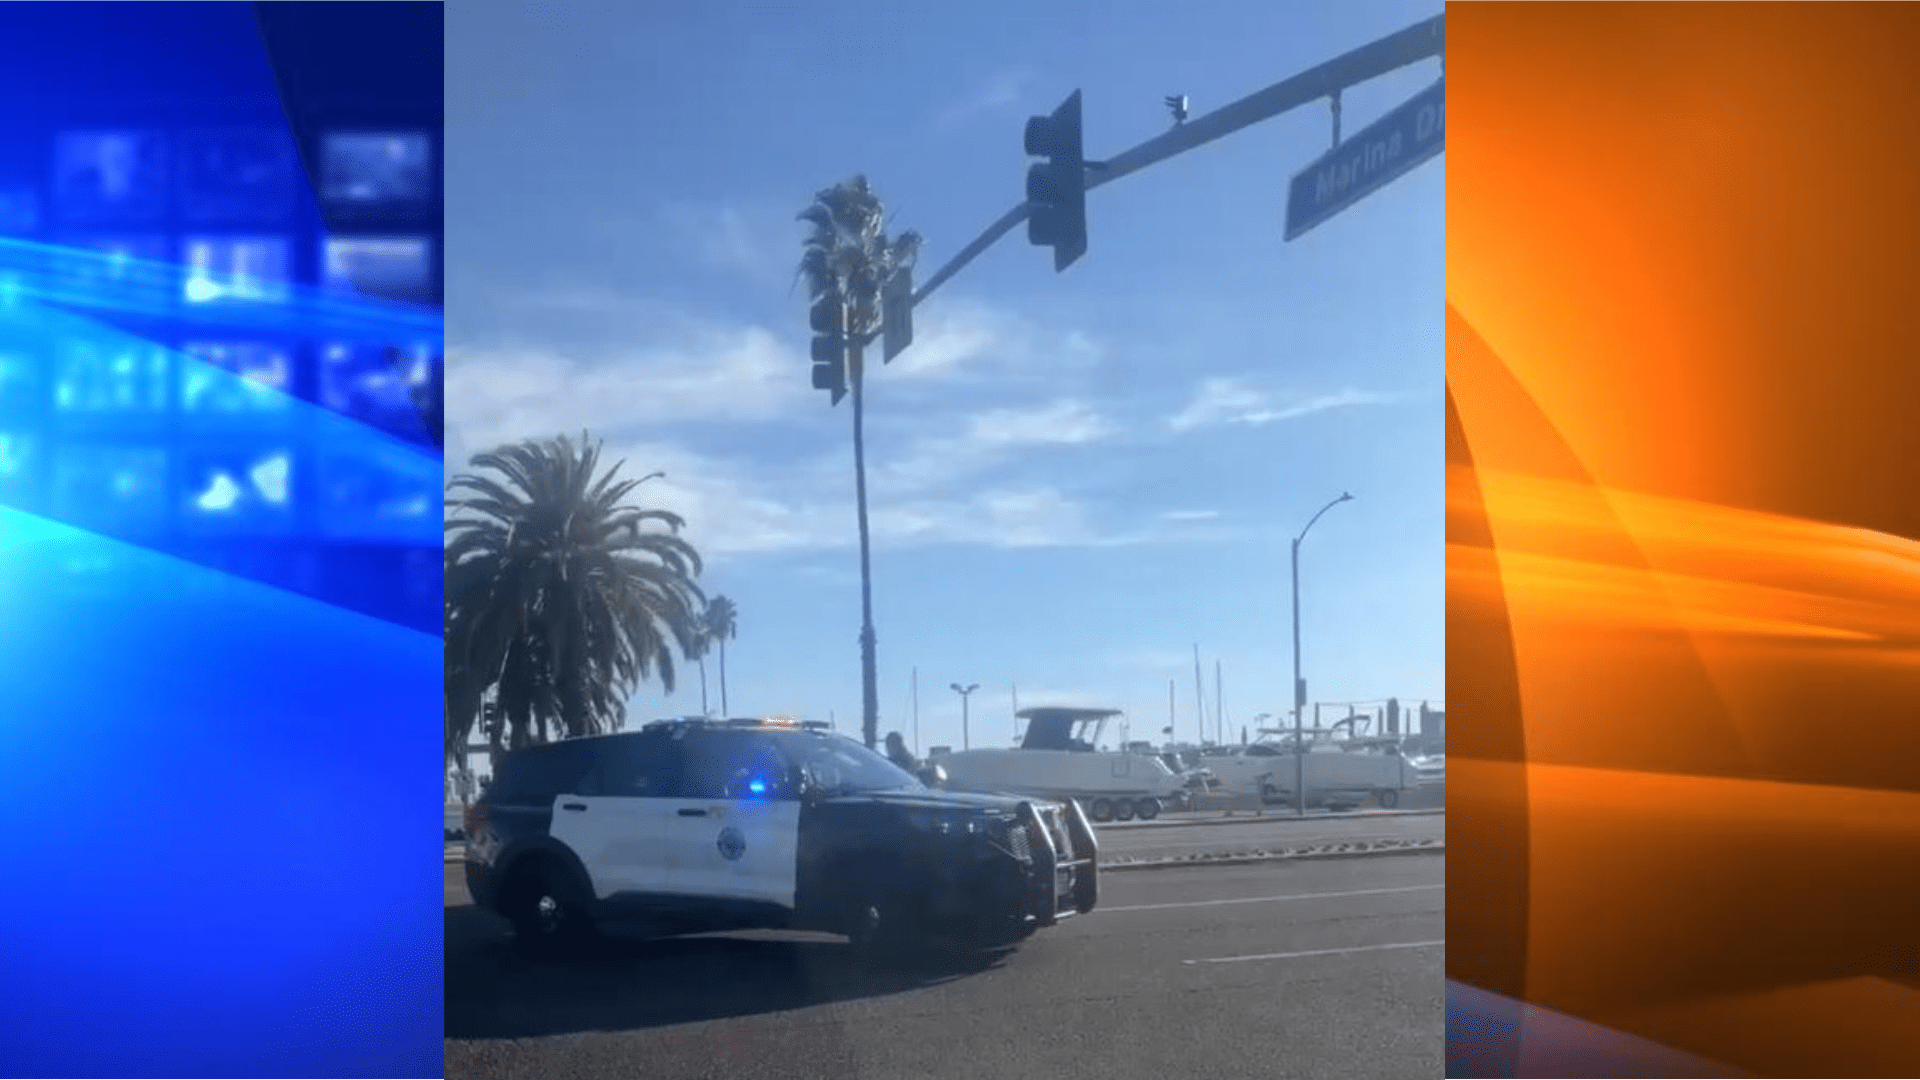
x: 869, y: 677
x: 703, y: 686
x: 723, y: 678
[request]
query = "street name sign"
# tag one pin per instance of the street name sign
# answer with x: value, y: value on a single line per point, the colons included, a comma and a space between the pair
x: 896, y: 315
x: 1374, y: 157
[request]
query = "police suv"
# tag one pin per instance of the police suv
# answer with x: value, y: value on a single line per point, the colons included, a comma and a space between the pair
x: 695, y: 826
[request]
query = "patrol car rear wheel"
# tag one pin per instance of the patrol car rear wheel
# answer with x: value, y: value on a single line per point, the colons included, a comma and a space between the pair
x: 1387, y: 798
x: 548, y: 912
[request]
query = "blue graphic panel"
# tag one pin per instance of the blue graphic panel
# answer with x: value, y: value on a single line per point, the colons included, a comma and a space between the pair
x: 220, y: 611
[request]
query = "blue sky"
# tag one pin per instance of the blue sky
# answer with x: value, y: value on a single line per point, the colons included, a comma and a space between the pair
x: 1073, y: 477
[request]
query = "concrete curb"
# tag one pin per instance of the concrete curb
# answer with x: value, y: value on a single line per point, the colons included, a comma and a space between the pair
x: 1245, y: 818
x: 1242, y: 858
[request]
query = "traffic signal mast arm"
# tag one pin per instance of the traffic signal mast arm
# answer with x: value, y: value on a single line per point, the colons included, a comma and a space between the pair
x: 1418, y: 42
x: 1410, y: 46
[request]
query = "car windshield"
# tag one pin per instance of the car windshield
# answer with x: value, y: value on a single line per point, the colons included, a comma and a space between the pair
x: 839, y: 765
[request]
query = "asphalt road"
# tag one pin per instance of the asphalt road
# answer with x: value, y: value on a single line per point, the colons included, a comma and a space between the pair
x: 1270, y: 970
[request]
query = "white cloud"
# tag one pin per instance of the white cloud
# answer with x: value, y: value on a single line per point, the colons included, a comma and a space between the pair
x: 733, y: 374
x: 1221, y: 401
x: 682, y: 369
x: 1190, y: 515
x: 954, y: 337
x: 1062, y: 423
x: 686, y: 401
x: 988, y: 439
x: 730, y: 238
x: 1001, y: 90
x: 736, y: 506
x: 1026, y: 517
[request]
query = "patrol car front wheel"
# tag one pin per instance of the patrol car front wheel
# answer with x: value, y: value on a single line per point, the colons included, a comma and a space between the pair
x: 549, y: 914
x: 878, y: 929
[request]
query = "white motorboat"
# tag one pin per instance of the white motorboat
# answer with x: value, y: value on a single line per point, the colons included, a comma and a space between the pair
x: 1058, y: 759
x: 1330, y: 770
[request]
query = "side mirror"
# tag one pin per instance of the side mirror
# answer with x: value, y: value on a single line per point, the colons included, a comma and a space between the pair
x: 934, y: 776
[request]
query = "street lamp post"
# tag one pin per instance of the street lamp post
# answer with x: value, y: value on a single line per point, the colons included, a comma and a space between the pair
x: 966, y: 742
x: 1299, y: 695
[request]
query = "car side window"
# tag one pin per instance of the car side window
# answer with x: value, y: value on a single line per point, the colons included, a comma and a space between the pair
x: 590, y: 782
x: 733, y: 765
x: 537, y: 775
x: 646, y: 766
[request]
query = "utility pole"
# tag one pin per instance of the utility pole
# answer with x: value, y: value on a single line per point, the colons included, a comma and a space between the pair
x: 916, y: 712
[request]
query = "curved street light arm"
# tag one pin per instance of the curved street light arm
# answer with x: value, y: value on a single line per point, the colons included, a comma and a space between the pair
x: 1344, y: 497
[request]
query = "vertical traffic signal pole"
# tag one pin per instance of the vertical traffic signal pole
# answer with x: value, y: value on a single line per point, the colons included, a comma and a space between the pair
x: 869, y: 669
x: 838, y: 366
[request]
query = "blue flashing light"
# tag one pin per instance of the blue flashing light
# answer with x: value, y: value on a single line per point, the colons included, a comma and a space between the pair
x: 757, y: 786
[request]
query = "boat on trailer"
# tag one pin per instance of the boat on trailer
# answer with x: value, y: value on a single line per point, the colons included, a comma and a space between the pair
x: 1059, y: 758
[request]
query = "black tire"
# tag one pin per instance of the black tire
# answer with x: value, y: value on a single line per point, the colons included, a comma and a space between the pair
x: 1387, y: 798
x: 549, y: 912
x: 1123, y: 809
x: 1147, y: 809
x: 883, y: 932
x: 1100, y: 810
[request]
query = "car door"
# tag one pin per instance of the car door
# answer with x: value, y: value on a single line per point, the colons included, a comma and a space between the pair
x: 734, y: 831
x: 615, y: 817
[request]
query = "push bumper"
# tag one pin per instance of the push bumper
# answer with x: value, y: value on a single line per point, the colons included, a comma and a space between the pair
x: 1032, y: 871
x: 1064, y: 864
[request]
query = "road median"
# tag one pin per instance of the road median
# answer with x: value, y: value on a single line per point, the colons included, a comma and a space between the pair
x: 1248, y: 817
x: 1229, y: 857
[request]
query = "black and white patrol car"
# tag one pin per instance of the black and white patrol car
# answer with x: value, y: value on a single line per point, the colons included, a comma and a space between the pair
x: 695, y: 826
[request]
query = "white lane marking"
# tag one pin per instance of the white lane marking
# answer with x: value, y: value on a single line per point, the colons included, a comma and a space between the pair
x: 1317, y: 952
x: 1275, y: 899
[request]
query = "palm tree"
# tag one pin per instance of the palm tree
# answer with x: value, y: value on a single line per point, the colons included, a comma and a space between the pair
x: 704, y: 643
x: 561, y: 596
x: 849, y: 257
x: 720, y: 623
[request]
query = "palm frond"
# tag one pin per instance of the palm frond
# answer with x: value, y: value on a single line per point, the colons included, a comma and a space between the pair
x: 562, y: 596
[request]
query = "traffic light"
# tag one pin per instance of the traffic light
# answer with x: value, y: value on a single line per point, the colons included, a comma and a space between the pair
x: 831, y: 343
x: 1057, y: 187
